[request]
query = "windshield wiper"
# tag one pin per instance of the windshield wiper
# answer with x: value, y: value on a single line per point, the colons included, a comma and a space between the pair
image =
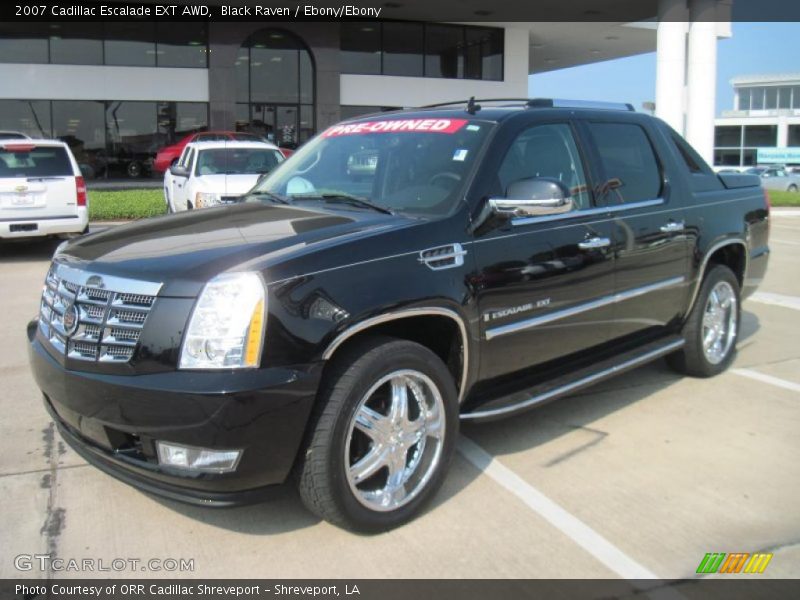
x: 271, y: 195
x: 347, y: 199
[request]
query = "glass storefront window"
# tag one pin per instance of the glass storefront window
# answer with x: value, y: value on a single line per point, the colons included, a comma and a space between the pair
x: 402, y: 49
x: 274, y: 75
x: 130, y: 44
x: 485, y: 53
x: 771, y: 98
x: 744, y: 99
x: 81, y: 124
x: 361, y: 48
x: 31, y: 117
x: 183, y: 45
x: 757, y: 99
x: 444, y: 45
x: 728, y: 136
x: 785, y: 98
x: 135, y: 43
x: 794, y: 136
x: 275, y: 88
x: 26, y: 43
x: 760, y: 136
x: 178, y: 119
x: 77, y: 44
x: 132, y: 129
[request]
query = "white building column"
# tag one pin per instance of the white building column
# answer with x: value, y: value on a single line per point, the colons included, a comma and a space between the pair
x: 671, y: 62
x: 702, y: 77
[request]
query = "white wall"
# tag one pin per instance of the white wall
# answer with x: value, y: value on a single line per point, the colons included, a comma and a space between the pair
x: 88, y: 82
x: 383, y: 90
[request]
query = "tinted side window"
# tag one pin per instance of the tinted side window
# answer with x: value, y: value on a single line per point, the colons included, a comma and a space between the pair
x: 546, y: 151
x: 628, y: 160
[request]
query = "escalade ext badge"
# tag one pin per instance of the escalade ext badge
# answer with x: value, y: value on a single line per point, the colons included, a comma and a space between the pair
x: 365, y: 352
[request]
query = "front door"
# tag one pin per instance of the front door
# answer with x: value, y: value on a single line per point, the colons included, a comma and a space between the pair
x: 544, y: 283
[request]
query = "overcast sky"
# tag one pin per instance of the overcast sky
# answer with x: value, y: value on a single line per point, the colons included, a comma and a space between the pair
x: 754, y: 48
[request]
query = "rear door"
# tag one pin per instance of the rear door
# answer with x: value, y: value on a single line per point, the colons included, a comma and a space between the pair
x: 649, y: 237
x: 36, y: 181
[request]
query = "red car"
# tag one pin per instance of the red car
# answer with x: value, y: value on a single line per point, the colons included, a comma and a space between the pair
x: 169, y: 154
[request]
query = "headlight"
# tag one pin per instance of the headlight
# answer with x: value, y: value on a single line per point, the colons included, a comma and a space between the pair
x: 202, y: 199
x: 226, y: 330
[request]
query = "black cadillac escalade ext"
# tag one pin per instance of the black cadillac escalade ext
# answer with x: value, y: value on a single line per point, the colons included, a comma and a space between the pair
x: 338, y: 322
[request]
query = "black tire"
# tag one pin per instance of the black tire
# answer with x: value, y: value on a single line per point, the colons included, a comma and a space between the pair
x: 134, y: 169
x: 692, y: 360
x: 321, y: 473
x: 793, y: 188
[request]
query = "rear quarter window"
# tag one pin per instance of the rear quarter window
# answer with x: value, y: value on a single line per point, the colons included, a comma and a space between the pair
x: 34, y: 162
x: 628, y: 159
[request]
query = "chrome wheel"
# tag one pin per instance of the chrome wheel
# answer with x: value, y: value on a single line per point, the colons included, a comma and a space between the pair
x: 395, y: 440
x: 719, y: 322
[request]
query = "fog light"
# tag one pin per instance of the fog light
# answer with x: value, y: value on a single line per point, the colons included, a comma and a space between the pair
x: 198, y: 459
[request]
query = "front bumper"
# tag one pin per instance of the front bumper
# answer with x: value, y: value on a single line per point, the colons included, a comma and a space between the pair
x: 113, y: 422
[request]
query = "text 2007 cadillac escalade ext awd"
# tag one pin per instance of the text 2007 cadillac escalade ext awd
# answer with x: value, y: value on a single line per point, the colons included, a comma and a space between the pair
x: 338, y: 322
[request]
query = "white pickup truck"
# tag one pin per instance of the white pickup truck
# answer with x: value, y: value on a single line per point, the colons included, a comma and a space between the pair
x: 42, y: 191
x: 212, y: 173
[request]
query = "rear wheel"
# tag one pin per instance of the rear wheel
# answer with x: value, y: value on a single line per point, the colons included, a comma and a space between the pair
x: 792, y: 188
x: 134, y: 169
x: 382, y: 437
x: 712, y: 329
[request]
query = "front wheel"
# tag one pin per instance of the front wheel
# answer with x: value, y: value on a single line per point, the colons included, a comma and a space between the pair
x: 712, y: 329
x: 792, y: 188
x: 382, y: 437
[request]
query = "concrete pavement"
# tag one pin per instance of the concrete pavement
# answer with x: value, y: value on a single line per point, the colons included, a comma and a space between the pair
x: 647, y: 471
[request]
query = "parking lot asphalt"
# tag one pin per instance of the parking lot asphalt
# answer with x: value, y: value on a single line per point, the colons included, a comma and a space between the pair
x: 640, y: 476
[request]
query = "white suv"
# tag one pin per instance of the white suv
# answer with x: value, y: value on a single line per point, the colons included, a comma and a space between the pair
x: 42, y: 191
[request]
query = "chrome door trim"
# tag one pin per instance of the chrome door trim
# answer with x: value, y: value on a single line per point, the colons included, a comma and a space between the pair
x: 579, y: 383
x: 701, y: 272
x: 599, y: 210
x: 581, y: 308
x: 403, y: 314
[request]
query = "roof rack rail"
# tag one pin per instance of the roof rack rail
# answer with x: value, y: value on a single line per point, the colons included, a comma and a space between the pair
x: 539, y: 103
x: 561, y: 103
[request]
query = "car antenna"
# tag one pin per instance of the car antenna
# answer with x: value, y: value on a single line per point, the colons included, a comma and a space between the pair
x: 472, y: 108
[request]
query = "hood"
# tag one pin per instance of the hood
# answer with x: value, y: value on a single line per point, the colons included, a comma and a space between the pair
x: 235, y: 185
x: 184, y: 251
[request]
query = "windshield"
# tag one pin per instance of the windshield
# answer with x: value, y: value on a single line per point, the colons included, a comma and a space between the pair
x: 407, y: 165
x: 237, y: 161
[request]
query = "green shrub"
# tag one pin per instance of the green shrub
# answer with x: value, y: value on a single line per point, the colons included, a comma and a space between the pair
x: 784, y: 198
x: 125, y: 204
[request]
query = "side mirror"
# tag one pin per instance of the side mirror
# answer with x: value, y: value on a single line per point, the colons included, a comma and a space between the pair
x: 533, y: 197
x: 179, y: 171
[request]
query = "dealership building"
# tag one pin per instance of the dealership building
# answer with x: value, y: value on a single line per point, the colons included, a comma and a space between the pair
x: 764, y: 125
x: 118, y: 90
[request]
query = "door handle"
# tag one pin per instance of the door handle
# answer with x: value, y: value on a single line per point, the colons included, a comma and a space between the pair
x: 673, y: 226
x: 593, y: 243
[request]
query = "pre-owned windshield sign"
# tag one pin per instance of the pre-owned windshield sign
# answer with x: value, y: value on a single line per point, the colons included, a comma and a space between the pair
x: 397, y: 125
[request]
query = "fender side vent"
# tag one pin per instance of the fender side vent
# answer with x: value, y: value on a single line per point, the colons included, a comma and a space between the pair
x: 443, y: 257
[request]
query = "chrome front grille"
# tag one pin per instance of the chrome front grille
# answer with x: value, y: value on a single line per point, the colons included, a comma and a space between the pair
x: 104, y: 324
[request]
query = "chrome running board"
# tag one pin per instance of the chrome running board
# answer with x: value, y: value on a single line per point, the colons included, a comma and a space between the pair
x: 521, y: 401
